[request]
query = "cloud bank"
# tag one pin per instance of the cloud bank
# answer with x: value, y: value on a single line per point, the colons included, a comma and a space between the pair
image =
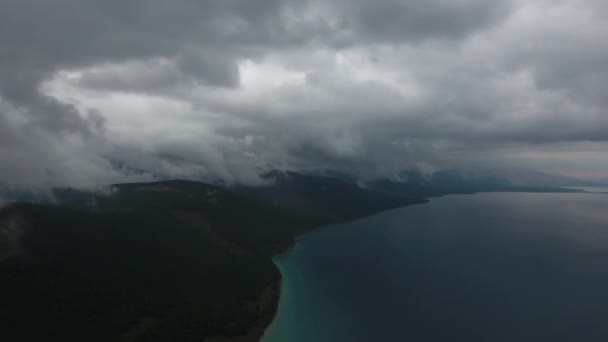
x: 94, y: 92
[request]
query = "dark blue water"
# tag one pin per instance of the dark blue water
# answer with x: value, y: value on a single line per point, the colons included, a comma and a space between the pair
x: 489, y: 267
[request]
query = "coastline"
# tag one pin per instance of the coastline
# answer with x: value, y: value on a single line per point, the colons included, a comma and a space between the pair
x: 276, y: 304
x: 258, y: 291
x: 288, y: 249
x: 265, y: 325
x: 315, y: 275
x: 292, y: 245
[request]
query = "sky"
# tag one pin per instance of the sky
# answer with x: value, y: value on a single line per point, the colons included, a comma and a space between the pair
x: 95, y: 91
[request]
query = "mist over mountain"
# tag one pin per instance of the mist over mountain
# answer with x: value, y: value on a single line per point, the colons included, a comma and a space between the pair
x: 408, y: 183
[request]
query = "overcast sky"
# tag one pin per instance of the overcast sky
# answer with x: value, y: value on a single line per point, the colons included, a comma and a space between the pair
x: 227, y: 88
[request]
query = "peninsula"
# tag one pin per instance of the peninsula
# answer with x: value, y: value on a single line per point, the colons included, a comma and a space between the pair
x: 163, y: 261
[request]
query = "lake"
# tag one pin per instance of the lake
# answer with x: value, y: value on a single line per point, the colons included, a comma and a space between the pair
x: 485, y: 267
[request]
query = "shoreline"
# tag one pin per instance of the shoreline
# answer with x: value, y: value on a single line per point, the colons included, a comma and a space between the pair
x: 276, y: 304
x: 292, y: 245
x: 289, y: 248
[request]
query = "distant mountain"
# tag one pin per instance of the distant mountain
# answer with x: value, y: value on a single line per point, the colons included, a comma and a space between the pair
x: 130, y: 171
x: 326, y: 198
x: 328, y: 173
x: 9, y: 195
x: 453, y: 181
x: 530, y: 177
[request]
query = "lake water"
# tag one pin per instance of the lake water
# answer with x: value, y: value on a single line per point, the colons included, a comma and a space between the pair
x: 487, y: 267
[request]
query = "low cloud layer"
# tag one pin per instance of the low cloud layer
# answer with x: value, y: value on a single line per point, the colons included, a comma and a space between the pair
x: 93, y: 92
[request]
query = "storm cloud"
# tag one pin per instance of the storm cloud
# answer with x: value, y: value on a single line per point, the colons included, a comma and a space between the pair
x: 93, y: 92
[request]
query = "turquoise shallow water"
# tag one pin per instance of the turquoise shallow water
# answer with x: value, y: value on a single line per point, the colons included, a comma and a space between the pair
x: 488, y: 267
x: 300, y: 316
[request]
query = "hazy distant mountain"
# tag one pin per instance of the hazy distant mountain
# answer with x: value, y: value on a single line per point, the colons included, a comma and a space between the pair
x: 455, y: 181
x: 531, y: 177
x: 328, y: 173
x: 417, y: 183
x: 325, y: 197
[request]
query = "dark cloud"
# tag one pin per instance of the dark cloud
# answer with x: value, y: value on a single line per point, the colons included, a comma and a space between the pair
x: 417, y: 20
x: 225, y: 89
